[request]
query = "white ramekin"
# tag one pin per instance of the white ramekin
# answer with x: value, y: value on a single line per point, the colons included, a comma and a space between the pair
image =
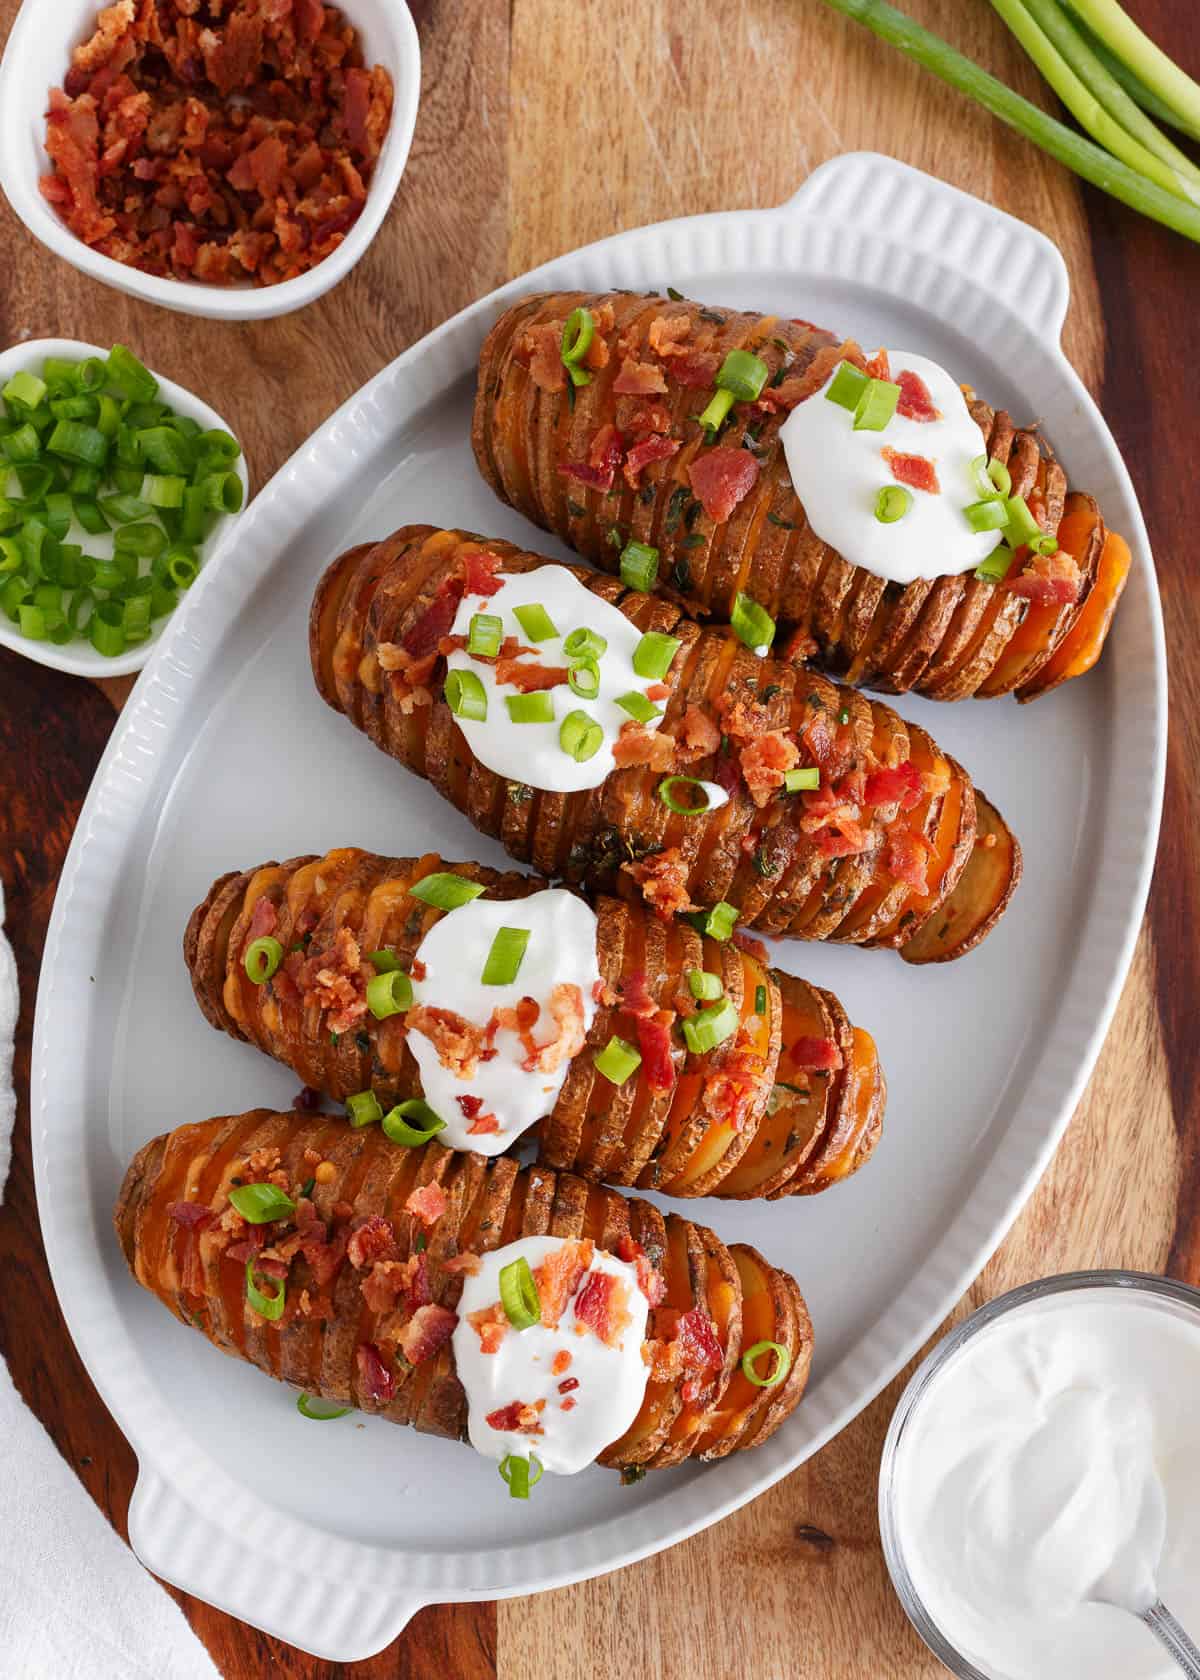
x: 81, y: 658
x: 37, y: 58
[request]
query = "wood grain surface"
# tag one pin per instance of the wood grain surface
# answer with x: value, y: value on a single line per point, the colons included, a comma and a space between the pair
x: 544, y: 125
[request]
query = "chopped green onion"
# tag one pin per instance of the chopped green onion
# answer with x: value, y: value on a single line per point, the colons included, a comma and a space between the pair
x: 991, y: 515
x: 578, y: 332
x: 537, y: 707
x: 21, y: 444
x: 90, y: 518
x: 75, y: 441
x: 704, y: 986
x: 714, y: 416
x: 363, y: 1109
x: 680, y: 807
x: 261, y: 1203
x: 223, y: 492
x: 999, y: 478
x: 760, y: 1000
x: 91, y: 374
x: 466, y: 695
x: 585, y: 644
x: 217, y: 445
x: 892, y: 503
x: 639, y: 566
x: 515, y: 1470
x: 320, y: 1411
x: 106, y: 630
x: 505, y: 957
x: 653, y: 655
x: 536, y: 622
x: 519, y: 1295
x: 108, y: 417
x: 263, y: 956
x: 876, y: 406
x: 425, y: 1123
x: 75, y: 408
x: 130, y: 376
x: 781, y: 1364
x: 638, y: 707
x: 583, y: 676
x: 847, y: 386
x: 389, y: 994
x: 752, y: 624
x: 25, y: 388
x: 136, y: 614
x: 11, y: 558
x: 182, y: 567
x: 995, y: 568
x: 444, y: 890
x: 145, y: 540
x: 484, y: 635
x: 716, y: 923
x: 164, y: 450
x: 803, y: 779
x: 580, y: 736
x: 163, y: 492
x: 977, y: 472
x: 267, y: 1306
x: 383, y: 962
x: 1022, y: 526
x: 617, y: 1061
x: 59, y: 513
x: 710, y: 1026
x: 1046, y: 545
x: 743, y: 374
x: 32, y: 622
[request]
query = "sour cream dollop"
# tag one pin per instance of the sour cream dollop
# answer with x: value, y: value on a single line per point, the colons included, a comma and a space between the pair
x: 531, y: 752
x: 1052, y: 1459
x: 838, y: 473
x: 561, y: 951
x: 605, y: 1381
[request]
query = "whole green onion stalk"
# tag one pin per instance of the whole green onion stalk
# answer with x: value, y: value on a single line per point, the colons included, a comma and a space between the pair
x: 1161, y: 182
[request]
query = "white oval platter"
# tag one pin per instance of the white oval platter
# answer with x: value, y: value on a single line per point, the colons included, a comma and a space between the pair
x: 225, y: 756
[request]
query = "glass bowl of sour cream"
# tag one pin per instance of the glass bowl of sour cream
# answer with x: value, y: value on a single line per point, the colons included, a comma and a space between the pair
x: 1044, y: 1457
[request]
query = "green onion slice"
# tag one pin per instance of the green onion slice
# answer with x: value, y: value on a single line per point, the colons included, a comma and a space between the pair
x: 710, y: 1026
x: 1000, y: 478
x: 383, y: 962
x: 263, y: 956
x: 639, y: 566
x: 802, y: 779
x: 752, y: 623
x: 505, y: 957
x: 260, y: 1203
x: 744, y: 375
x: 363, y: 1109
x: 515, y: 1470
x: 484, y: 635
x: 130, y: 376
x: 892, y: 503
x: 580, y: 736
x: 715, y: 415
x: 425, y: 1123
x: 519, y: 1295
x: 466, y: 695
x: 586, y: 644
x: 995, y: 568
x: 638, y: 707
x: 577, y: 336
x: 445, y: 891
x: 847, y: 386
x: 537, y: 707
x: 1043, y: 545
x: 717, y: 923
x: 682, y: 807
x: 583, y: 677
x: 27, y: 388
x: 760, y: 1000
x: 989, y: 515
x: 106, y: 631
x: 536, y: 622
x: 781, y: 1364
x: 653, y: 655
x: 705, y: 987
x: 389, y: 994
x: 876, y: 406
x: 617, y: 1061
x: 267, y: 1306
x: 320, y: 1411
x: 1022, y: 526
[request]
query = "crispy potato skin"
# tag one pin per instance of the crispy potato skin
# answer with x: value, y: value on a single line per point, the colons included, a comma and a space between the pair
x: 760, y: 860
x: 488, y: 1203
x: 946, y: 638
x: 679, y: 1141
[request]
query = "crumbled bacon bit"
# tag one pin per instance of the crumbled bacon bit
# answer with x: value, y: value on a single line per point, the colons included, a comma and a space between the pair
x: 336, y: 980
x: 651, y: 1282
x: 639, y: 379
x: 644, y: 452
x: 377, y: 1380
x: 540, y: 349
x: 815, y: 1055
x: 914, y: 470
x: 471, y: 1264
x: 567, y: 1405
x: 459, y: 1043
x: 388, y: 1280
x: 237, y: 148
x: 901, y: 785
x: 604, y: 457
x: 559, y: 1275
x: 1048, y: 580
x: 765, y: 763
x: 518, y: 1418
x: 635, y: 994
x: 373, y: 1240
x: 635, y: 745
x: 697, y: 736
x: 264, y: 919
x: 479, y: 569
x: 654, y: 1042
x: 429, y: 1329
x: 730, y: 1090
x: 667, y: 334
x: 194, y: 1216
x: 560, y: 1363
x: 697, y: 370
x: 751, y: 946
x: 491, y: 1325
x: 486, y: 1123
x: 663, y: 878
x: 427, y: 1203
x: 915, y: 402
x: 569, y: 1385
x: 603, y: 993
x: 907, y: 857
x: 409, y: 675
x: 526, y: 674
x: 601, y: 1305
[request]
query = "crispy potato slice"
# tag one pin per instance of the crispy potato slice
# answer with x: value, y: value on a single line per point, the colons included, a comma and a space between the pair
x: 981, y: 896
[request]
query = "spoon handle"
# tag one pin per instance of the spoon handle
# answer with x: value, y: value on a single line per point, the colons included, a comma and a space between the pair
x: 1162, y: 1624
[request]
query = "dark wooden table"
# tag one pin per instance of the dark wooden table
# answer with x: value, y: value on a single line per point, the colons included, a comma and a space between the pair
x: 543, y: 126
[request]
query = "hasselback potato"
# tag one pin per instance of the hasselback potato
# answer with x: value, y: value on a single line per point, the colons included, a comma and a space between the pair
x: 788, y: 1105
x: 623, y: 458
x: 367, y: 1263
x: 895, y: 847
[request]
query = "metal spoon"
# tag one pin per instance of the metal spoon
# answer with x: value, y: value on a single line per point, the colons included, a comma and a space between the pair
x: 1165, y: 1628
x: 1127, y: 1589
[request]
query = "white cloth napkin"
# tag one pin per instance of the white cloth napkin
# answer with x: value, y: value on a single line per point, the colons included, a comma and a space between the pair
x: 75, y: 1604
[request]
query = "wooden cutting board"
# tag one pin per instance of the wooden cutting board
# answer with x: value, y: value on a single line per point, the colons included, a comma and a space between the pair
x: 543, y: 126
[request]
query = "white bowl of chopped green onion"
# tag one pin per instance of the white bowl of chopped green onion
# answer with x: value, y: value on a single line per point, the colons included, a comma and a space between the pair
x: 115, y: 485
